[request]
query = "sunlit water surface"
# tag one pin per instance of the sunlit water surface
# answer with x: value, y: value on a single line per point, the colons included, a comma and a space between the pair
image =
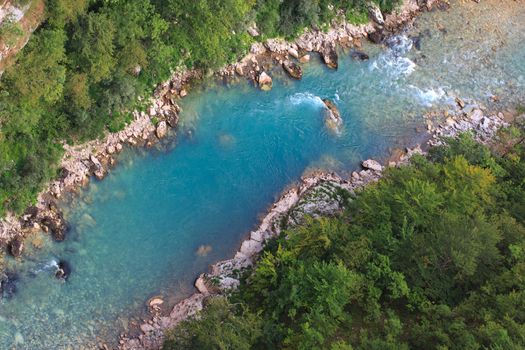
x: 136, y: 234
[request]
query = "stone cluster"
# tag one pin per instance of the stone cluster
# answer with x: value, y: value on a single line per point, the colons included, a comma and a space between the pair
x: 289, y: 55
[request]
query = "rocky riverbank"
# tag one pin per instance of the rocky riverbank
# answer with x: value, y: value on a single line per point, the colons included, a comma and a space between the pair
x: 95, y: 158
x: 317, y: 194
x: 290, y: 55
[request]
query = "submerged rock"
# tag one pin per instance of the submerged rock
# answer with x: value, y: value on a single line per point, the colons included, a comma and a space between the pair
x: 294, y: 70
x: 204, y: 250
x: 265, y: 81
x: 416, y: 40
x: 305, y: 58
x: 16, y: 247
x: 63, y: 270
x: 8, y: 284
x: 359, y: 55
x: 333, y: 118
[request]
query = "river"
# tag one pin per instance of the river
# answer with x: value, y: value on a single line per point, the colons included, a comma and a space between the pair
x: 137, y: 233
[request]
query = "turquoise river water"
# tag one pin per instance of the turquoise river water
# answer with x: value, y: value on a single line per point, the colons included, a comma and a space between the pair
x: 136, y: 233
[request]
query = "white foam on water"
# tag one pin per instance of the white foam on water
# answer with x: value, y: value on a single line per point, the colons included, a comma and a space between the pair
x: 337, y: 98
x: 393, y: 63
x: 428, y: 97
x: 50, y: 265
x: 305, y: 98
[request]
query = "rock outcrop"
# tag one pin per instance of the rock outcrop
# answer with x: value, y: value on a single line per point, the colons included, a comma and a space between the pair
x: 330, y: 57
x: 294, y: 70
x: 333, y: 119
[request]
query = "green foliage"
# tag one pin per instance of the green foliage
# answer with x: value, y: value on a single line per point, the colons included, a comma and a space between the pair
x: 296, y: 14
x: 92, y: 46
x: 220, y: 327
x: 268, y: 16
x: 288, y: 18
x: 10, y: 32
x: 208, y: 33
x: 430, y: 257
x: 357, y: 16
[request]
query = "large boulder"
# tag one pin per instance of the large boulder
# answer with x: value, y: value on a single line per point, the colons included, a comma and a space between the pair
x: 330, y: 57
x: 162, y: 129
x: 294, y: 70
x: 55, y: 223
x: 375, y: 13
x: 305, y: 58
x: 172, y: 117
x: 372, y: 165
x: 265, y: 81
x: 146, y: 328
x: 200, y: 285
x: 155, y: 302
x: 97, y: 168
x: 253, y: 31
x: 239, y: 69
x: 293, y: 52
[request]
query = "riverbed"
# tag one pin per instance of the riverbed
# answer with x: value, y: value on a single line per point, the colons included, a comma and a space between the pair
x: 163, y: 215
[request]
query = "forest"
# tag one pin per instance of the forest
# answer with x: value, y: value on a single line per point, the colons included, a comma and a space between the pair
x: 84, y: 68
x: 430, y: 257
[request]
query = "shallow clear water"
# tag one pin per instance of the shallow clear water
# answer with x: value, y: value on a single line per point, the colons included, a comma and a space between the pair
x: 136, y: 234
